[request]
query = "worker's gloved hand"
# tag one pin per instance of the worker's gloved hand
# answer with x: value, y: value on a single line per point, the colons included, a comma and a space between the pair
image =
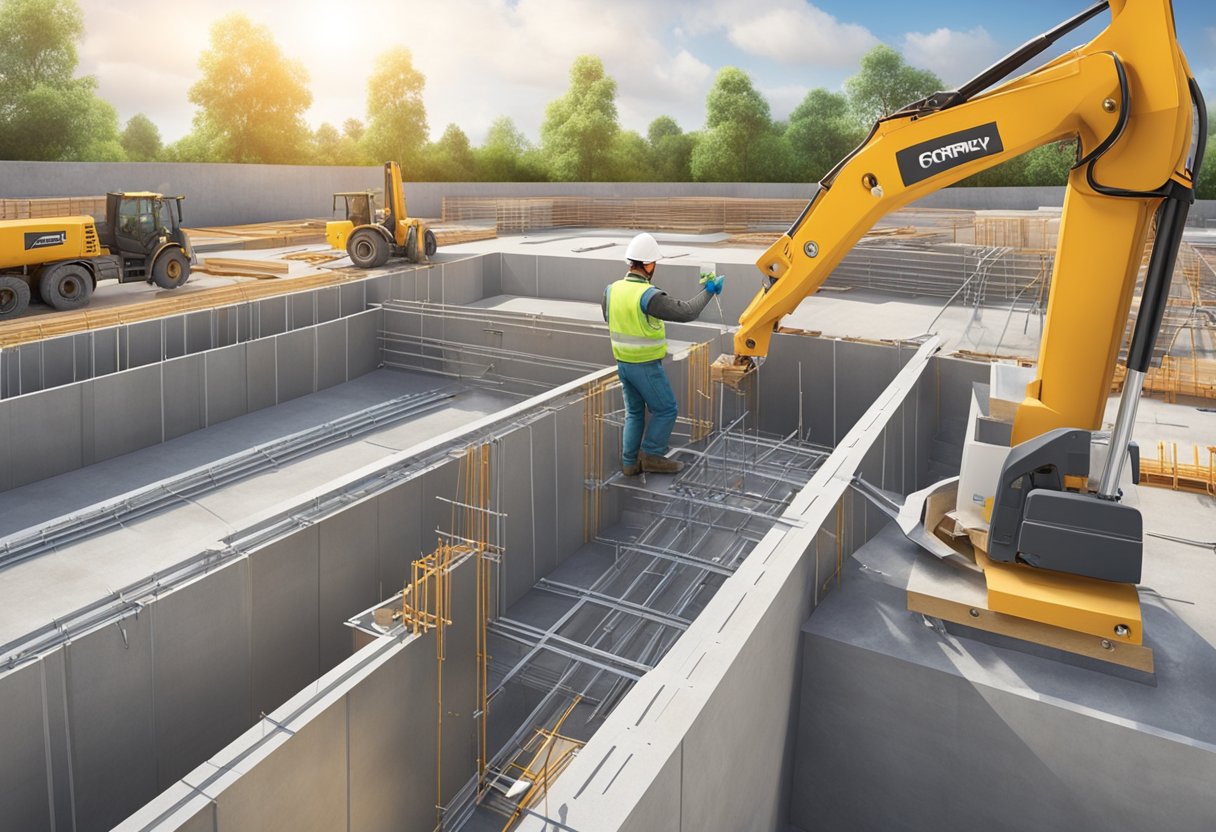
x: 712, y: 282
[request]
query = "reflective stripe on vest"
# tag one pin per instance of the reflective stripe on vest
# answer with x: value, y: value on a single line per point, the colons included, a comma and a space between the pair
x: 636, y: 337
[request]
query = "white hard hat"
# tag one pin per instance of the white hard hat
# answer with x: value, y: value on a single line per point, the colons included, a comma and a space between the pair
x: 643, y: 249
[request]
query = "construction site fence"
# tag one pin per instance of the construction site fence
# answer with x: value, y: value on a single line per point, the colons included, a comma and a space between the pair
x: 691, y: 215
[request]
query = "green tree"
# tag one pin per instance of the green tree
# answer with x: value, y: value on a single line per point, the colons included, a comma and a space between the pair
x: 581, y: 127
x: 820, y: 133
x: 1046, y: 165
x: 46, y: 113
x: 331, y: 147
x: 396, y: 116
x: 450, y: 159
x: 501, y: 156
x: 737, y: 119
x: 887, y: 83
x: 1205, y: 185
x: 251, y: 97
x: 1011, y: 173
x: 201, y: 144
x: 99, y: 122
x: 670, y: 150
x: 141, y: 139
x: 1050, y: 164
x: 353, y: 129
x: 629, y: 158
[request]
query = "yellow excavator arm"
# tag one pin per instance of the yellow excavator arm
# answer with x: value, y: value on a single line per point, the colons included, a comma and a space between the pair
x: 1127, y: 96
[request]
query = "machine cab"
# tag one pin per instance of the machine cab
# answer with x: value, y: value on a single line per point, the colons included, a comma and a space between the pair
x: 138, y: 223
x: 360, y: 206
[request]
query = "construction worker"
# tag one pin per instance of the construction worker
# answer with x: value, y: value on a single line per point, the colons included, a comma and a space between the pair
x: 635, y: 311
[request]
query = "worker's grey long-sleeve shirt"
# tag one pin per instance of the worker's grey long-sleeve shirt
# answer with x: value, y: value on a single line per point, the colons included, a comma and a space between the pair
x: 660, y: 305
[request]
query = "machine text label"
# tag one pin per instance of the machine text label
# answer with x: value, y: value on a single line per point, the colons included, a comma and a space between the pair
x: 930, y: 158
x: 44, y: 239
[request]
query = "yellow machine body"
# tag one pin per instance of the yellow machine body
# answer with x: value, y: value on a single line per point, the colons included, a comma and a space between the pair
x: 30, y: 243
x: 371, y: 239
x: 337, y: 232
x: 1101, y: 239
x: 1138, y: 147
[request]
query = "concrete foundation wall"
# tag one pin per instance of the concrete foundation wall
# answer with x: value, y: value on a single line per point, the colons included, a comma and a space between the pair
x: 110, y: 391
x: 285, y: 587
x: 228, y: 194
x: 169, y: 683
x: 128, y: 709
x: 56, y: 362
x: 948, y: 753
x: 114, y: 414
x: 354, y: 751
x: 675, y: 754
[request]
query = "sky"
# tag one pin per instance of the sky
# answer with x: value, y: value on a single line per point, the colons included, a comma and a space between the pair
x: 487, y: 58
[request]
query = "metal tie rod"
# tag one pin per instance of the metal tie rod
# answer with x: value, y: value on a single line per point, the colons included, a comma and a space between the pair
x: 618, y: 604
x: 617, y: 481
x: 569, y: 654
x: 682, y: 558
x: 548, y: 638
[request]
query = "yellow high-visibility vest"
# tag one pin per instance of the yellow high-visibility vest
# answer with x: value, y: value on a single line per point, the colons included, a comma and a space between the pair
x: 636, y: 336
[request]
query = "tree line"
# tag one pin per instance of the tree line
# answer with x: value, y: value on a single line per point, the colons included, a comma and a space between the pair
x: 251, y: 99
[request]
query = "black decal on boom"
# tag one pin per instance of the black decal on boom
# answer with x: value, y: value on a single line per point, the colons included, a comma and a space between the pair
x: 920, y: 161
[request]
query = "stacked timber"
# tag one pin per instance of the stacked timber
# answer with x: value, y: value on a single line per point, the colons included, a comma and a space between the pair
x: 161, y: 304
x: 261, y: 234
x: 32, y: 209
x: 235, y: 267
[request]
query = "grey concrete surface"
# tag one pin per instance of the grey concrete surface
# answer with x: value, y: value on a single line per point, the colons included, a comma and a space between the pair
x: 325, y: 558
x: 668, y: 747
x: 95, y: 566
x: 738, y: 657
x: 196, y: 665
x: 954, y: 734
x: 102, y: 418
x: 332, y: 755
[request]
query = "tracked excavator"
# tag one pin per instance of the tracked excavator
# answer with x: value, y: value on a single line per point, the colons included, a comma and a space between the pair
x: 1060, y: 547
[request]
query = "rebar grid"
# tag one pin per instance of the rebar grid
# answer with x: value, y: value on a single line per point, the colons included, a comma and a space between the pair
x: 662, y: 574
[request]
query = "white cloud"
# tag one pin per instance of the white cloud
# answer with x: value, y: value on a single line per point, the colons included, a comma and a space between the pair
x: 955, y: 56
x: 525, y: 52
x: 783, y: 99
x: 482, y: 58
x: 153, y: 78
x: 791, y: 32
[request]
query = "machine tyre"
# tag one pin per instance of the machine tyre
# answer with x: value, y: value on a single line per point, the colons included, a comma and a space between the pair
x: 367, y: 249
x: 430, y: 245
x: 170, y: 270
x: 66, y: 287
x: 411, y: 245
x: 14, y: 297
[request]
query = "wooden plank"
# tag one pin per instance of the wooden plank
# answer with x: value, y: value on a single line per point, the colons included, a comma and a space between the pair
x: 236, y: 263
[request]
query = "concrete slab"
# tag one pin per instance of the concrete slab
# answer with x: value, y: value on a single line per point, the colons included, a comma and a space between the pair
x: 955, y: 733
x: 58, y: 582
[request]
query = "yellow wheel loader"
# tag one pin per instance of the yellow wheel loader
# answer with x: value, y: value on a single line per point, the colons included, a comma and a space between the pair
x: 61, y: 259
x: 370, y: 239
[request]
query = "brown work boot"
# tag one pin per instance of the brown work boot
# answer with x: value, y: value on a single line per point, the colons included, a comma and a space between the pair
x: 631, y: 470
x: 659, y: 464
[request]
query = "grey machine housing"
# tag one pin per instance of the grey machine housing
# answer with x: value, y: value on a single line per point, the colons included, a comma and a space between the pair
x: 1038, y: 523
